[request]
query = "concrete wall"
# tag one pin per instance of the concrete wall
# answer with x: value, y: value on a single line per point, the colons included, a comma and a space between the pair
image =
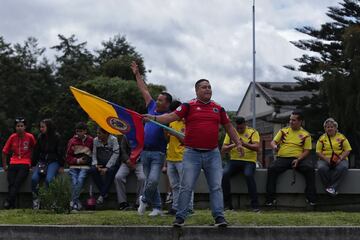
x: 289, y: 196
x: 17, y: 232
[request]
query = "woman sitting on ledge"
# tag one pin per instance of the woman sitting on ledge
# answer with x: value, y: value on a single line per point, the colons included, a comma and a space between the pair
x: 333, y: 150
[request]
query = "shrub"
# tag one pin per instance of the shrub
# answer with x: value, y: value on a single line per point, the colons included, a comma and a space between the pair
x: 57, y: 195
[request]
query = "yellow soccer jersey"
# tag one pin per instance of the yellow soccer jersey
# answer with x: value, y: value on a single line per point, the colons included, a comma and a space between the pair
x: 175, y: 149
x: 292, y: 143
x: 339, y: 144
x: 250, y: 135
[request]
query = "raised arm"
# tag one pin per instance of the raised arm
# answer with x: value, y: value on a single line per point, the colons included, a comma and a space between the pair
x: 141, y: 84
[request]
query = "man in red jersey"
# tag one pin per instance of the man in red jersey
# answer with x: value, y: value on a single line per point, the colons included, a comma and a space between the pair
x: 202, y: 119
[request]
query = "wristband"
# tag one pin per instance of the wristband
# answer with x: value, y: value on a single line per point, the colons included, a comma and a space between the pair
x: 155, y: 118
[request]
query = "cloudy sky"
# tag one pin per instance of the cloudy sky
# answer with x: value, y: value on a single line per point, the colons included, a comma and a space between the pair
x: 180, y: 40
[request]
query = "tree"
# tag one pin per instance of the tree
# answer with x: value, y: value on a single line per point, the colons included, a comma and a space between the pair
x: 27, y: 82
x: 75, y: 64
x: 115, y: 56
x: 334, y: 68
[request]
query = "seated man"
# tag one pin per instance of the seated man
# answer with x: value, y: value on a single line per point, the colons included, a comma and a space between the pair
x: 293, y: 145
x: 246, y: 163
x: 104, y: 162
x: 125, y: 169
x: 78, y: 157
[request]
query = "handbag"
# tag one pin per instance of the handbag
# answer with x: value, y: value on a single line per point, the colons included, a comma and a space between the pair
x: 42, y: 166
x: 334, y: 157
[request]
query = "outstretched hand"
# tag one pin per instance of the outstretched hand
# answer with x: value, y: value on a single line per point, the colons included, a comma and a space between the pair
x: 147, y: 117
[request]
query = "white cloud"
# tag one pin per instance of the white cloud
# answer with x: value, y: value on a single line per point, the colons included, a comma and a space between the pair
x: 181, y: 40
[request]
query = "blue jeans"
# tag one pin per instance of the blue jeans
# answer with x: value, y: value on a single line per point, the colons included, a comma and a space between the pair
x: 152, y: 163
x: 78, y: 176
x: 51, y: 172
x: 332, y: 176
x: 234, y: 167
x: 193, y: 162
x: 174, y: 172
x: 103, y: 183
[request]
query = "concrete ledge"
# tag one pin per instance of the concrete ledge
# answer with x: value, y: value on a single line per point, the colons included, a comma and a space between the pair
x: 238, y: 183
x: 27, y: 232
x: 289, y: 196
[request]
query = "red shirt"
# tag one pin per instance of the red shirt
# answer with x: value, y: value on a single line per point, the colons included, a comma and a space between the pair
x: 202, y: 122
x: 20, y: 147
x: 78, y: 147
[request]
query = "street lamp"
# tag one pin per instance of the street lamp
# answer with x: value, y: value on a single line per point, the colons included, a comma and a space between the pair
x: 253, y: 81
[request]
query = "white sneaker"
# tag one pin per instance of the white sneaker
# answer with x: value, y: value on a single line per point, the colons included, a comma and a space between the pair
x: 100, y: 200
x: 331, y: 191
x: 156, y: 212
x: 75, y: 208
x: 36, y: 204
x: 142, y: 206
x: 79, y: 206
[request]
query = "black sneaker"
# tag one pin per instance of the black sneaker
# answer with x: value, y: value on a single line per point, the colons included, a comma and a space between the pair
x: 124, y: 206
x: 311, y: 203
x: 270, y: 203
x: 220, y: 222
x: 179, y: 222
x: 255, y: 210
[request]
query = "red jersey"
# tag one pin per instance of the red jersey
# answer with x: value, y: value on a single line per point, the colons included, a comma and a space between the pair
x: 21, y: 148
x: 202, y: 122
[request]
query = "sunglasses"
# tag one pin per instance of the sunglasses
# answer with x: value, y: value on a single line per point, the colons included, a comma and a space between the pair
x: 17, y: 120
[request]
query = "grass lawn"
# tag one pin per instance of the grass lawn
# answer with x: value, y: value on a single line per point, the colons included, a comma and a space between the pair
x: 200, y: 218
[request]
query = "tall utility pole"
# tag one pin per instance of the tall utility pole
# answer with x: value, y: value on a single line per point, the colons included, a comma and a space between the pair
x: 253, y: 81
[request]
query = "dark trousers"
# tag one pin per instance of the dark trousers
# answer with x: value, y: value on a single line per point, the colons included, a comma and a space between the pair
x: 232, y: 168
x: 103, y: 183
x: 280, y: 165
x: 16, y: 175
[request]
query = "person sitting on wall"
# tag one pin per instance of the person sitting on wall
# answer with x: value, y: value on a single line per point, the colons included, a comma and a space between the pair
x: 105, y: 162
x: 247, y: 163
x: 333, y: 150
x: 125, y: 169
x: 20, y: 144
x: 293, y: 145
x: 78, y: 157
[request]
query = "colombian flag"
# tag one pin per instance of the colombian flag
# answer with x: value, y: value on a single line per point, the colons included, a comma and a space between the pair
x: 114, y: 119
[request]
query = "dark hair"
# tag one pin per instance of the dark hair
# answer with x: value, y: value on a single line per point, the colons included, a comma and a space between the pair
x: 50, y: 126
x: 81, y: 126
x: 239, y: 120
x: 102, y: 130
x: 174, y: 105
x: 299, y: 114
x: 18, y: 120
x: 167, y: 96
x: 200, y: 81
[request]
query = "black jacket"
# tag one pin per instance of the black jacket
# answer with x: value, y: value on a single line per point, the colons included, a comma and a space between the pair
x: 48, y: 149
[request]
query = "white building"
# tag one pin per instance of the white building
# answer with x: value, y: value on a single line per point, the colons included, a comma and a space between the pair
x: 275, y: 101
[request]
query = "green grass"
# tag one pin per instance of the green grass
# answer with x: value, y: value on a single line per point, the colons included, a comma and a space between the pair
x: 201, y: 218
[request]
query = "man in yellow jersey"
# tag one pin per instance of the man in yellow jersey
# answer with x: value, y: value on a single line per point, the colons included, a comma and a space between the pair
x: 293, y: 145
x: 246, y: 163
x: 174, y: 157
